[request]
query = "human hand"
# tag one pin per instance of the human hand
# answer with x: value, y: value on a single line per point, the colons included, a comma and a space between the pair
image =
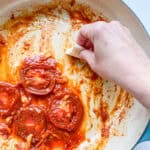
x: 112, y: 52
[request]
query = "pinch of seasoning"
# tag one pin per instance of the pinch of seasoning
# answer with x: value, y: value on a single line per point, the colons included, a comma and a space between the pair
x: 12, y: 16
x: 26, y: 46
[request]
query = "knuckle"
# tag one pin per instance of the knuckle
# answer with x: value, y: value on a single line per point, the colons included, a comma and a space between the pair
x: 101, y: 26
x: 126, y: 29
x: 115, y: 23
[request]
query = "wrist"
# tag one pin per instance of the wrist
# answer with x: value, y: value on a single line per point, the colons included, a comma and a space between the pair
x: 138, y: 83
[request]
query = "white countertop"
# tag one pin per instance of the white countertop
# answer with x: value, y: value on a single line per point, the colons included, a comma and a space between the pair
x: 142, y: 10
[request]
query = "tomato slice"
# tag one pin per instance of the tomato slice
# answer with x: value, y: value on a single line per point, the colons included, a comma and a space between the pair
x: 65, y: 112
x: 9, y: 99
x: 30, y: 120
x: 38, y: 75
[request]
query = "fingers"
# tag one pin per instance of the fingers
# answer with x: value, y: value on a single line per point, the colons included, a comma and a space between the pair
x: 87, y: 34
x: 88, y: 56
x: 84, y: 42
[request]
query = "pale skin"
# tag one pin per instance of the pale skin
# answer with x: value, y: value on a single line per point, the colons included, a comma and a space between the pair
x: 113, y: 53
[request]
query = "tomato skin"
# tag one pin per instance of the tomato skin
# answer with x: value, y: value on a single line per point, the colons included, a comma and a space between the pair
x: 10, y: 99
x: 65, y: 111
x: 38, y: 75
x: 30, y: 120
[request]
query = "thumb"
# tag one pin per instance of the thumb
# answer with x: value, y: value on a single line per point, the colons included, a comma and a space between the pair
x: 88, y: 56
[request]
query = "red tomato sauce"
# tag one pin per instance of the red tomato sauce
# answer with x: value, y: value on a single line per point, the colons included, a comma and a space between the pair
x: 43, y: 108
